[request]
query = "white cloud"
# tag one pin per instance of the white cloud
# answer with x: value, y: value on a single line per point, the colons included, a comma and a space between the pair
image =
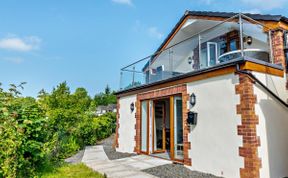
x: 125, y: 2
x: 24, y: 44
x: 15, y: 60
x: 153, y: 31
x: 265, y: 4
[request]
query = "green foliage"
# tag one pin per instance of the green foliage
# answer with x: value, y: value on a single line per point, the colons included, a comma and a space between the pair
x: 36, y: 132
x: 105, y: 98
x: 93, y: 129
x: 22, y: 122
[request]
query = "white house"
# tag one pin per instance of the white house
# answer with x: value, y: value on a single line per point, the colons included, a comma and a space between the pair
x: 212, y: 97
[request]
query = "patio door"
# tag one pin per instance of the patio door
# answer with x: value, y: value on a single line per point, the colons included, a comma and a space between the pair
x: 212, y: 53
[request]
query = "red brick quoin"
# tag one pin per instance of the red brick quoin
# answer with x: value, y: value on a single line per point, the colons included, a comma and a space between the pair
x: 278, y: 50
x: 247, y: 129
x: 181, y: 89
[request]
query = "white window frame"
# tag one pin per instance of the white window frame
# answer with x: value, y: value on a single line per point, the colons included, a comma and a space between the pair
x: 208, y: 52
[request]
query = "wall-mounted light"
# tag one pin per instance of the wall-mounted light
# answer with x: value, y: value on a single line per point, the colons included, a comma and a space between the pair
x: 249, y: 40
x: 192, y: 99
x: 132, y: 107
x: 190, y: 60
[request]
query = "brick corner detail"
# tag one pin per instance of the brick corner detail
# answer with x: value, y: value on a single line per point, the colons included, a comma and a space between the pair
x: 247, y: 129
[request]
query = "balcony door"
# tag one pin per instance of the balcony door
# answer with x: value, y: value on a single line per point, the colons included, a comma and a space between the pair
x: 212, y: 53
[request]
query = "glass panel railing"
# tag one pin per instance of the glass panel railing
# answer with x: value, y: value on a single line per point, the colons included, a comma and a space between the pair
x: 256, y: 42
x: 135, y: 74
x: 218, y: 42
x: 184, y: 56
x: 201, y: 44
x: 161, y: 66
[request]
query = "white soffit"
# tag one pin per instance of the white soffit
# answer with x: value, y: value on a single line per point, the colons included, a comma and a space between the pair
x: 188, y: 22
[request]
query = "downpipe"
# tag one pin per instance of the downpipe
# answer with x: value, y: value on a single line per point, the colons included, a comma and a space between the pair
x: 256, y: 80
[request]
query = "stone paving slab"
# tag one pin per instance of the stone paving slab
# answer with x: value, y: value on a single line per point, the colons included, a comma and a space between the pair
x: 95, y: 158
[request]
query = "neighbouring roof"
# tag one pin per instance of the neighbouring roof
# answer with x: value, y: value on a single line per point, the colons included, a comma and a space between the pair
x: 109, y: 107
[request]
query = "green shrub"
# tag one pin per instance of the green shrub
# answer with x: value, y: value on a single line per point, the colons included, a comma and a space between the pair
x: 35, y: 134
x: 22, y: 139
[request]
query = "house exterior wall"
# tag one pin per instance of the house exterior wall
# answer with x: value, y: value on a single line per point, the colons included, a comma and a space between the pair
x: 272, y: 128
x: 126, y: 124
x: 214, y: 140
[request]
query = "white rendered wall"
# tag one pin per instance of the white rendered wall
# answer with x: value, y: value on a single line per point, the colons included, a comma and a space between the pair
x: 214, y: 140
x: 272, y: 128
x: 127, y: 123
x: 274, y: 83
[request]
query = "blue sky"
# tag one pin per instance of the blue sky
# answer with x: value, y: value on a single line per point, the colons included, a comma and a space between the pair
x: 86, y: 42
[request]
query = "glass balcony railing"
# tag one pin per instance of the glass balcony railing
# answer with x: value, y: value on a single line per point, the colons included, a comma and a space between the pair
x: 201, y: 44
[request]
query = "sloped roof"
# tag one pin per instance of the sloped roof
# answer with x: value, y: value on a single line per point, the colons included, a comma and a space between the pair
x: 264, y: 17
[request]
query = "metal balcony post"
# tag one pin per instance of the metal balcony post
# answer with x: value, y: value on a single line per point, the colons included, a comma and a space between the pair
x: 121, y: 78
x: 199, y: 51
x: 133, y: 76
x: 241, y: 34
x: 149, y: 70
x: 170, y: 62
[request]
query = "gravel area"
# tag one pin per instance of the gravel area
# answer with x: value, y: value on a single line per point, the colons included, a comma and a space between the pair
x: 176, y: 171
x: 75, y: 159
x: 108, y: 146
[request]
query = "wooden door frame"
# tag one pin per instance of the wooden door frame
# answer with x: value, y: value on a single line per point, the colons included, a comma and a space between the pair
x: 172, y: 113
x: 148, y: 131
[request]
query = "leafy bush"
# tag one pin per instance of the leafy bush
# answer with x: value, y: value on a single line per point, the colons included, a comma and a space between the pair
x: 35, y: 132
x: 93, y: 129
x: 22, y: 122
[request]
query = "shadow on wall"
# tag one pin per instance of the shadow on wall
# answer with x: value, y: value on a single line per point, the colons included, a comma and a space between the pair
x: 276, y: 118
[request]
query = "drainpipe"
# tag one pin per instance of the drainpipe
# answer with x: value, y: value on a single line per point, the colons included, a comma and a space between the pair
x: 256, y: 80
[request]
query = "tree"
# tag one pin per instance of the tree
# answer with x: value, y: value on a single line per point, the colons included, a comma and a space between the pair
x: 105, y: 98
x: 82, y: 99
x: 107, y: 90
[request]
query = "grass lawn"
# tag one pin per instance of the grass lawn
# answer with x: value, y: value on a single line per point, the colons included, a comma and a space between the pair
x: 71, y: 171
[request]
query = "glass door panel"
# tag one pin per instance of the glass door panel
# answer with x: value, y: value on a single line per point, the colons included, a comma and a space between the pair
x: 159, y: 122
x: 203, y: 61
x: 178, y: 128
x: 144, y: 126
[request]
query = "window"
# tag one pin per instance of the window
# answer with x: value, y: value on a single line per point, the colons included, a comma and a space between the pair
x: 233, y: 45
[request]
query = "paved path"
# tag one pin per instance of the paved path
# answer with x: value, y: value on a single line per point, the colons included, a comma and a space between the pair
x: 95, y: 158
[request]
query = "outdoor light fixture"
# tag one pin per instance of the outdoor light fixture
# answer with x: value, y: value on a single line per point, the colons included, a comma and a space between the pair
x: 132, y: 106
x: 249, y: 40
x: 190, y: 60
x: 192, y: 99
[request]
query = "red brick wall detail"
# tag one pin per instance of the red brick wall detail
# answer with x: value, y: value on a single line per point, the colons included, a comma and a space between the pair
x: 181, y: 89
x: 278, y: 48
x: 186, y: 129
x: 247, y: 129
